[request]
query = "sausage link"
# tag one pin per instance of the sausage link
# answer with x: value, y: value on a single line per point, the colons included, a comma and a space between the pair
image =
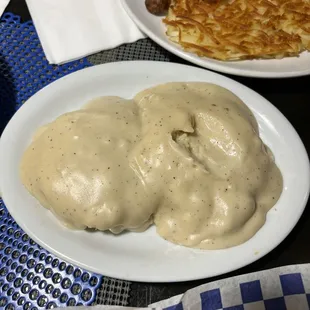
x: 157, y: 6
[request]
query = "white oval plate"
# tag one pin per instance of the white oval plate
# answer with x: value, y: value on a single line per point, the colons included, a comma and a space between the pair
x: 145, y: 256
x: 153, y: 26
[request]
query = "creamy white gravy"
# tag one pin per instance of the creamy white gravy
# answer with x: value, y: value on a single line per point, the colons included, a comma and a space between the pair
x: 184, y: 156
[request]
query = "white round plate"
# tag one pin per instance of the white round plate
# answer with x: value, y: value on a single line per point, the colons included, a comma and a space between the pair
x: 145, y: 256
x: 153, y: 26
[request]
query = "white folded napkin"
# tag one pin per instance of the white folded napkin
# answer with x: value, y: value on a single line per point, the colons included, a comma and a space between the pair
x: 3, y: 5
x: 72, y: 29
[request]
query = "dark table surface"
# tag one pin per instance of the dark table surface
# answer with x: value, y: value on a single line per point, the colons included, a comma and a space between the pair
x: 292, y: 98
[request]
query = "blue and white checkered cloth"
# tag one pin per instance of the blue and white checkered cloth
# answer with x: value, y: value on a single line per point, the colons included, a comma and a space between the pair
x: 285, y: 288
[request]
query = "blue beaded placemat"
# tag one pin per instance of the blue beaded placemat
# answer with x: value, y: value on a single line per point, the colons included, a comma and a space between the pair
x: 30, y: 277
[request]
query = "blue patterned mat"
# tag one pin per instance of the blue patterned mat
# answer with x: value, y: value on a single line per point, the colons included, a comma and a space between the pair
x: 30, y: 277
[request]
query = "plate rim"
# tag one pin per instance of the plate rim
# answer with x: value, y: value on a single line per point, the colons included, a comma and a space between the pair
x: 132, y: 277
x: 204, y: 62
